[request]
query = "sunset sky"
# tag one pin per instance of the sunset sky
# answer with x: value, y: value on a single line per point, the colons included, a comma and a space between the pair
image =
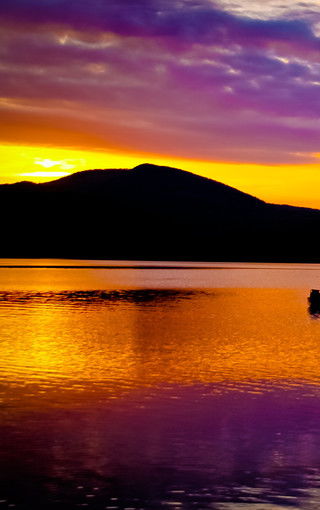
x: 229, y: 89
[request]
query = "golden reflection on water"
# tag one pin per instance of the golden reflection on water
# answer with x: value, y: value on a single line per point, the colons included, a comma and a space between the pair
x: 132, y: 339
x: 187, y: 360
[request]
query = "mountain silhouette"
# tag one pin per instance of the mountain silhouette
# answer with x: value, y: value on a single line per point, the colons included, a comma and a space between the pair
x: 151, y: 212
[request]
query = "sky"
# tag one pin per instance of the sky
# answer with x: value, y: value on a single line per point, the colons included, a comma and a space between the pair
x: 227, y: 89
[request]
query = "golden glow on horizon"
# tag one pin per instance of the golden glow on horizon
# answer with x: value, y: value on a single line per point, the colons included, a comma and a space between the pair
x: 64, y: 164
x: 49, y: 175
x: 290, y: 184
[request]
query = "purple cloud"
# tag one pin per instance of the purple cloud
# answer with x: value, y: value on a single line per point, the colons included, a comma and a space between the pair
x: 187, y: 21
x: 185, y: 78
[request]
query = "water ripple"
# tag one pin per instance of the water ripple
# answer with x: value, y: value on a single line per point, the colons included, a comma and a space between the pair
x: 94, y: 296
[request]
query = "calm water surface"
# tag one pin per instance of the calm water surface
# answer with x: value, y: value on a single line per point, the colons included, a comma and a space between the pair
x: 145, y: 385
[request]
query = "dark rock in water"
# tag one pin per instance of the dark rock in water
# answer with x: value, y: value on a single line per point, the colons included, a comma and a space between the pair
x: 314, y: 300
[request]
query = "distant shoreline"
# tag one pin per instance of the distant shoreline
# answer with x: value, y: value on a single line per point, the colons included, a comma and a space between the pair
x: 185, y: 266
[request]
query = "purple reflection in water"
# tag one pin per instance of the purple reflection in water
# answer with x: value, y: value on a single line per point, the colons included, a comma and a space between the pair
x: 181, y: 447
x: 180, y: 389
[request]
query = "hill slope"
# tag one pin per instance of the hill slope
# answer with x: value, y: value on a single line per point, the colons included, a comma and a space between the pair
x: 151, y: 212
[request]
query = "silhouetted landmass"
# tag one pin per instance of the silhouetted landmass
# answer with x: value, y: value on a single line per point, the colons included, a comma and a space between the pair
x: 151, y: 213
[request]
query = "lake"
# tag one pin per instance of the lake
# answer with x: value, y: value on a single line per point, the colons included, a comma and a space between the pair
x: 158, y: 385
